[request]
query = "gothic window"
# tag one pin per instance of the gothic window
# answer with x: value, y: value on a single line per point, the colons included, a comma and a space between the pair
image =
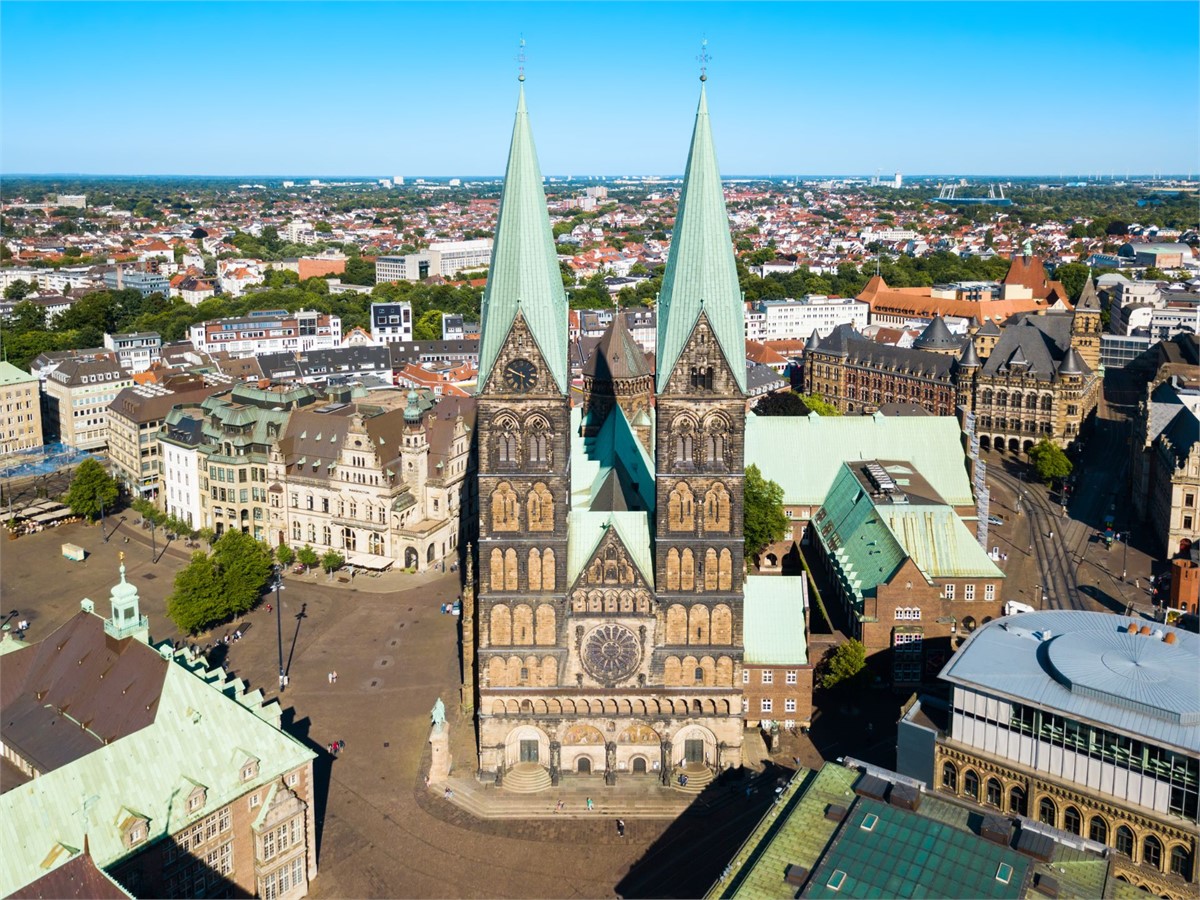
x: 539, y: 441
x: 612, y: 565
x: 725, y: 572
x: 710, y: 569
x: 522, y: 624
x: 501, y: 630
x: 510, y: 570
x: 541, y: 508
x: 698, y: 624
x: 508, y: 450
x: 505, y: 507
x: 684, y: 430
x: 716, y: 440
x: 722, y: 624
x: 534, y: 570
x: 680, y: 506
x: 687, y: 571
x: 716, y: 508
x: 496, y: 569
x: 672, y: 569
x: 547, y: 569
x: 544, y: 629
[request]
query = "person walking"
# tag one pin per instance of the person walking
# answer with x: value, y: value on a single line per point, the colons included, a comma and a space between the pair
x: 620, y: 828
x: 589, y: 804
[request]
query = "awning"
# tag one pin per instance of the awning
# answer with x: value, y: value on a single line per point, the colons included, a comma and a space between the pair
x: 370, y: 561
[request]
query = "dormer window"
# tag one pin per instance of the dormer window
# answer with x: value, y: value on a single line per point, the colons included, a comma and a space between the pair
x: 134, y: 830
x: 250, y: 770
x: 196, y: 799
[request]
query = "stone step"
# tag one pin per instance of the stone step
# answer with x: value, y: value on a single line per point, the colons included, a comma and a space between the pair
x: 526, y: 778
x: 698, y: 778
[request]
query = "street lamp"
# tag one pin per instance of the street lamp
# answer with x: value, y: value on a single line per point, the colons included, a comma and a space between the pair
x: 1125, y: 556
x: 103, y: 532
x: 279, y: 624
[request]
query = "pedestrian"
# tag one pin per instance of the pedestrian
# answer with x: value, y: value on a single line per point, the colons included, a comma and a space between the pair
x: 449, y: 794
x: 620, y: 828
x: 330, y: 748
x: 589, y: 804
x: 562, y: 804
x: 335, y: 676
x: 330, y: 677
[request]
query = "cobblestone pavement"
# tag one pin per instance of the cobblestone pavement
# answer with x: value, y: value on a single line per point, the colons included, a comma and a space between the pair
x: 381, y: 831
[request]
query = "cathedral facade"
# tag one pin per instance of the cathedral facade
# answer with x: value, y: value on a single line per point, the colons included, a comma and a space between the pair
x: 605, y: 635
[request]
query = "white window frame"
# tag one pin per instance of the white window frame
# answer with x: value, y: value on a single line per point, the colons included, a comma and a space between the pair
x: 766, y: 704
x: 791, y: 677
x: 948, y: 591
x: 768, y: 676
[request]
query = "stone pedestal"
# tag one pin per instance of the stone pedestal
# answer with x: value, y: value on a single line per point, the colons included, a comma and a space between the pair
x: 439, y: 745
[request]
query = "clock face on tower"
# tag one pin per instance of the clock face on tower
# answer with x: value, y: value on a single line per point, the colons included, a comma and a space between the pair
x: 521, y: 375
x: 611, y: 652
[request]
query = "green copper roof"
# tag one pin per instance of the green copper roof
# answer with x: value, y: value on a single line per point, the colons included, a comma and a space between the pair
x: 10, y: 374
x: 524, y: 275
x: 701, y: 274
x: 773, y: 620
x: 586, y: 529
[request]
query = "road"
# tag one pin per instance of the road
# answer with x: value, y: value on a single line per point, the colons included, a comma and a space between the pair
x: 1062, y: 541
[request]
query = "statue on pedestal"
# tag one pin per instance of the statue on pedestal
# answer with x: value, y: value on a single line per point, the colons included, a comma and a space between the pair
x: 439, y: 744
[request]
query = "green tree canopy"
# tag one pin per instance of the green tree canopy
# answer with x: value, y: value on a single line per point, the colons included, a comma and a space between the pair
x: 765, y: 521
x: 196, y: 601
x: 844, y: 665
x: 18, y: 290
x: 781, y: 403
x: 212, y: 589
x: 308, y: 556
x: 818, y: 404
x: 285, y: 554
x: 331, y: 561
x: 91, y: 489
x: 1073, y: 277
x: 429, y: 326
x: 1049, y: 461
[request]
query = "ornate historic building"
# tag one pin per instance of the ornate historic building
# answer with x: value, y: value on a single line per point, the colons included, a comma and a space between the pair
x: 608, y: 623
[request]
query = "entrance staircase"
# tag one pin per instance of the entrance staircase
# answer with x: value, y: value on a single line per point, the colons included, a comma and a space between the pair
x: 526, y: 778
x: 699, y: 776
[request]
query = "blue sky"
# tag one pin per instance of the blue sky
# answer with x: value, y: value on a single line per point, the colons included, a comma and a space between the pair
x: 429, y: 88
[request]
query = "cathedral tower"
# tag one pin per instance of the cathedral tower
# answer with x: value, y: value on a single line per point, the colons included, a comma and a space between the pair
x: 1086, y: 326
x: 523, y: 421
x: 699, y: 430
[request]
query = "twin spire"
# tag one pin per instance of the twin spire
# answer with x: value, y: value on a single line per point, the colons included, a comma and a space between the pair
x: 700, y: 278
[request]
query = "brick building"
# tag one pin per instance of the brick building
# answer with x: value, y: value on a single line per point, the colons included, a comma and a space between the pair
x: 20, y: 410
x: 777, y: 676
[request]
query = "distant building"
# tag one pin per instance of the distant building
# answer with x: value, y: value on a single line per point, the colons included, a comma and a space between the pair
x: 71, y: 201
x: 391, y: 322
x: 1084, y: 722
x: 268, y: 331
x: 336, y: 364
x: 330, y: 262
x: 76, y: 397
x: 179, y: 441
x: 145, y: 283
x: 20, y: 410
x: 1161, y: 256
x: 788, y: 320
x: 455, y: 328
x: 446, y: 259
x: 176, y: 779
x: 137, y: 351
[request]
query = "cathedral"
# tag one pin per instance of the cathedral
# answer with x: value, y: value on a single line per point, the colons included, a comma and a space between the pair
x: 605, y: 634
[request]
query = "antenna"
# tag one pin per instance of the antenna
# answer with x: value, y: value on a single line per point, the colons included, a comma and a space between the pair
x: 521, y: 60
x: 703, y: 58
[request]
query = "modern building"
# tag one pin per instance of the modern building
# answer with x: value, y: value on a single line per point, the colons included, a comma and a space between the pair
x: 1165, y: 471
x: 858, y: 831
x: 391, y: 322
x: 788, y: 320
x: 1161, y: 256
x: 446, y: 259
x: 76, y: 396
x: 20, y: 410
x: 609, y: 622
x: 911, y: 578
x: 268, y: 331
x: 135, y: 352
x: 1084, y: 722
x: 175, y: 779
x: 135, y: 418
x: 145, y: 283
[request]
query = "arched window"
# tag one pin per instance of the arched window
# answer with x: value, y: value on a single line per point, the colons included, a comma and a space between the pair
x: 684, y: 429
x: 1125, y: 840
x: 681, y: 512
x: 1016, y: 802
x: 505, y: 508
x: 1181, y: 862
x: 327, y: 536
x: 539, y: 440
x: 312, y: 533
x: 994, y: 792
x: 716, y: 508
x: 541, y: 508
x: 1152, y: 852
x: 971, y: 784
x: 1047, y: 812
x: 376, y: 545
x: 949, y: 777
x: 1098, y: 830
x: 349, y: 539
x: 295, y: 531
x: 1072, y: 821
x: 687, y: 570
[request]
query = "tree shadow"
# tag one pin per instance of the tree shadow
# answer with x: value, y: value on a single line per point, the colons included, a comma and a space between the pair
x: 690, y: 855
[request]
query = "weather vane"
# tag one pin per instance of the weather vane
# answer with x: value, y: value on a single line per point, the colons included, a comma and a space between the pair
x: 521, y: 61
x: 703, y: 59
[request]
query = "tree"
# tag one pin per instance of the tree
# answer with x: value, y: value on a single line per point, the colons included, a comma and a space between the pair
x: 18, y: 290
x: 91, y: 489
x: 429, y: 326
x: 844, y: 664
x: 285, y: 554
x: 1116, y: 226
x: 1049, y: 461
x: 781, y: 403
x: 1153, y: 273
x: 818, y: 404
x: 244, y: 565
x: 308, y: 557
x: 765, y: 522
x: 196, y: 601
x: 332, y: 561
x: 1073, y: 277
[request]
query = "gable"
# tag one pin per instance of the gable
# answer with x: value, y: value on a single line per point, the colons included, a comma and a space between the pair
x: 701, y: 351
x: 519, y: 342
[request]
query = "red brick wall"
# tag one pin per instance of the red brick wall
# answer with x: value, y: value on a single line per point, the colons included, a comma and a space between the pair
x: 778, y: 692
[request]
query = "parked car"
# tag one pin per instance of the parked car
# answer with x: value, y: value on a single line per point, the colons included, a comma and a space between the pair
x: 995, y: 520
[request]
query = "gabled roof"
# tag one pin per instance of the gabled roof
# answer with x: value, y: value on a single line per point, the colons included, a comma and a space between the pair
x: 701, y: 275
x: 1088, y: 299
x: 524, y: 274
x: 773, y: 620
x: 617, y: 354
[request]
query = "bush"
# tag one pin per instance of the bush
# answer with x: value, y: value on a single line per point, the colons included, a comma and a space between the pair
x: 844, y: 665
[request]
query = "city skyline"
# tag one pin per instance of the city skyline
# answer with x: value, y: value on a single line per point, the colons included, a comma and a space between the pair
x: 837, y: 89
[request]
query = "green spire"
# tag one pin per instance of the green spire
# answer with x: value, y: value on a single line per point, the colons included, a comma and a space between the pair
x: 701, y: 274
x: 524, y: 275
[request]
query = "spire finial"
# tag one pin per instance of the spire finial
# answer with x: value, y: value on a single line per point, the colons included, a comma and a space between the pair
x: 121, y: 557
x: 521, y: 60
x: 703, y: 59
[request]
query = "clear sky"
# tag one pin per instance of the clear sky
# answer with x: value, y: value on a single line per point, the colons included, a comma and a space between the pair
x: 325, y: 88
